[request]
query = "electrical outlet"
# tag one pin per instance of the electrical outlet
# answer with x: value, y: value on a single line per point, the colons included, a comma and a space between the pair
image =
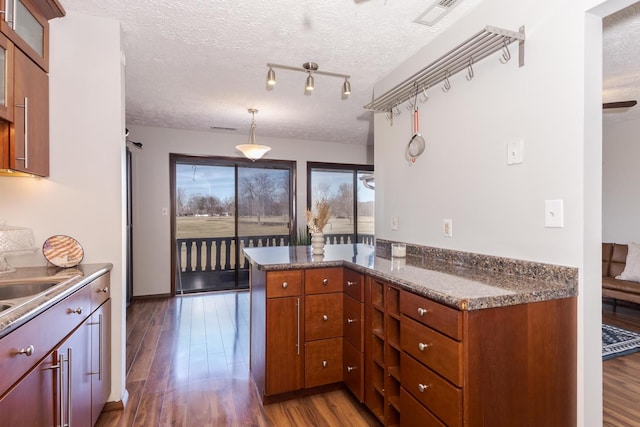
x: 447, y: 227
x: 164, y: 211
x: 394, y: 223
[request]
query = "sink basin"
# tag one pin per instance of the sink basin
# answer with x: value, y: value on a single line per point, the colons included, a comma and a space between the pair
x: 20, y: 290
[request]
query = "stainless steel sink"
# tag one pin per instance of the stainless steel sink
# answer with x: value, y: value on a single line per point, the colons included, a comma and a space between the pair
x: 21, y: 290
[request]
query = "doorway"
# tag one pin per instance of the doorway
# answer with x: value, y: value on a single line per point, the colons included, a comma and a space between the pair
x: 220, y: 206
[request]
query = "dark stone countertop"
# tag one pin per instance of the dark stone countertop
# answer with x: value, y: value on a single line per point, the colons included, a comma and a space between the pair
x: 69, y: 280
x: 459, y: 287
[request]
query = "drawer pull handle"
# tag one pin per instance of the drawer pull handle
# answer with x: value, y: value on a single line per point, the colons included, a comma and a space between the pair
x: 325, y: 281
x: 325, y: 317
x: 422, y: 388
x: 285, y: 285
x: 350, y: 368
x: 325, y: 363
x: 422, y: 346
x: 27, y: 351
x: 104, y: 290
x: 422, y: 311
x: 350, y: 283
x: 76, y: 311
x: 350, y: 321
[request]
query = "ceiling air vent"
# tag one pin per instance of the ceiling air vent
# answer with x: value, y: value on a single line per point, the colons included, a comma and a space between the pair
x: 436, y: 12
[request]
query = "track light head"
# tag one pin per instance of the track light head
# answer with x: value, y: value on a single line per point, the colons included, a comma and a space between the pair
x: 346, y: 87
x: 271, y: 77
x: 310, y: 84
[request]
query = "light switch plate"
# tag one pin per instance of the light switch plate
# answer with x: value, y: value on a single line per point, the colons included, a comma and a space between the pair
x: 447, y: 227
x: 553, y: 214
x: 515, y: 152
x: 394, y: 223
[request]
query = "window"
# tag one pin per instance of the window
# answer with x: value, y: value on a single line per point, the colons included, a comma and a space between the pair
x: 349, y: 190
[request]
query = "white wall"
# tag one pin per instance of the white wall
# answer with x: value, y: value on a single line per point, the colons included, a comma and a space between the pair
x: 553, y: 105
x: 83, y: 195
x: 621, y: 173
x: 151, y: 229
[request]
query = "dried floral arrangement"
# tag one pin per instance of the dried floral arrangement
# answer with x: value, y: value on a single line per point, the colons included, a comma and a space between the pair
x: 316, y: 223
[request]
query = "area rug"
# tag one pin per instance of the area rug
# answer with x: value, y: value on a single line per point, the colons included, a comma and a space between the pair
x: 618, y: 342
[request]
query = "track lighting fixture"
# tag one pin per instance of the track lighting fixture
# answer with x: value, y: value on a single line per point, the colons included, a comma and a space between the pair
x: 251, y: 150
x: 310, y: 68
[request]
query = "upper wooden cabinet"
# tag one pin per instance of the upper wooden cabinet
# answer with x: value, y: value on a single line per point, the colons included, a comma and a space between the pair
x: 24, y: 85
x: 25, y: 22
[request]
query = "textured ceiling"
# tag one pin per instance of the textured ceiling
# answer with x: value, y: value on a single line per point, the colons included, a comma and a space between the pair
x: 194, y: 64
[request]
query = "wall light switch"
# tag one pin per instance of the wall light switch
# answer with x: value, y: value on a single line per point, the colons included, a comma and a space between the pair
x: 553, y: 214
x: 394, y: 223
x: 515, y: 152
x: 164, y: 211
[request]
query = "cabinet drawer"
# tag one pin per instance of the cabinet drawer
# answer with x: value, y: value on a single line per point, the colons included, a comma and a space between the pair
x: 323, y: 362
x: 284, y: 283
x: 43, y: 332
x: 414, y: 414
x: 439, y: 352
x: 353, y: 372
x: 100, y: 291
x: 323, y: 316
x: 352, y: 322
x: 323, y: 280
x: 437, y: 316
x: 437, y: 394
x: 353, y: 284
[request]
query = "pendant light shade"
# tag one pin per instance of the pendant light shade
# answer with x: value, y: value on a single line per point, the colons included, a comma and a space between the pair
x: 251, y: 150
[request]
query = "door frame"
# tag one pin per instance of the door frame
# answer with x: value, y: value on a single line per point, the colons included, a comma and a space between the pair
x: 235, y: 162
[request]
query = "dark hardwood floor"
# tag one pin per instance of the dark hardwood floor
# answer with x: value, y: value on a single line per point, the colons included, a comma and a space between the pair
x: 188, y: 365
x: 621, y: 376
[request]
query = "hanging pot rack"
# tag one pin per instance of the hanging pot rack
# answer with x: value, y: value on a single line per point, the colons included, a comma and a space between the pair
x: 463, y: 56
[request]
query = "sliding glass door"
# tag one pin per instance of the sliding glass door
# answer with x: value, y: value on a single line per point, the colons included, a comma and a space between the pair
x: 221, y: 206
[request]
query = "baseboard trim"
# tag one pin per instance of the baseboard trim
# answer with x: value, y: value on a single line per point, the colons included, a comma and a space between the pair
x: 117, y: 405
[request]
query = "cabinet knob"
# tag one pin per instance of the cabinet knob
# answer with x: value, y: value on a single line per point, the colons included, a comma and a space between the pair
x: 325, y: 363
x: 350, y: 321
x: 104, y: 290
x: 422, y: 311
x: 350, y: 368
x: 76, y: 311
x: 325, y: 281
x: 325, y: 317
x: 422, y: 387
x: 422, y: 346
x: 27, y: 351
x: 285, y: 285
x: 350, y: 283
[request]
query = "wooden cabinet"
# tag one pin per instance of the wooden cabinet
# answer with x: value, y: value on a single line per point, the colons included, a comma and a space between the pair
x: 353, y: 332
x: 284, y: 358
x: 71, y: 383
x: 100, y: 328
x: 24, y: 97
x: 382, y: 351
x: 475, y: 368
x: 31, y: 402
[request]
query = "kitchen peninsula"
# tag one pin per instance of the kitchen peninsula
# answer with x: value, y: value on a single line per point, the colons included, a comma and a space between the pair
x: 438, y: 344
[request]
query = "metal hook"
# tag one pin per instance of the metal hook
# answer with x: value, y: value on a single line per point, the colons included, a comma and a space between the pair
x: 425, y: 96
x: 389, y: 115
x: 447, y: 85
x: 397, y: 111
x: 410, y: 105
x: 506, y: 54
x: 470, y: 73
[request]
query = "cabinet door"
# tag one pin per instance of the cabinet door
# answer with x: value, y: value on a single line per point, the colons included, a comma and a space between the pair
x: 74, y: 354
x: 31, y: 402
x: 29, y: 141
x: 100, y: 326
x: 28, y: 28
x: 6, y: 78
x: 284, y: 364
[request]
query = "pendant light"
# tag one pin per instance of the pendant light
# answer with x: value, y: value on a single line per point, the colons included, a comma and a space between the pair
x: 251, y: 150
